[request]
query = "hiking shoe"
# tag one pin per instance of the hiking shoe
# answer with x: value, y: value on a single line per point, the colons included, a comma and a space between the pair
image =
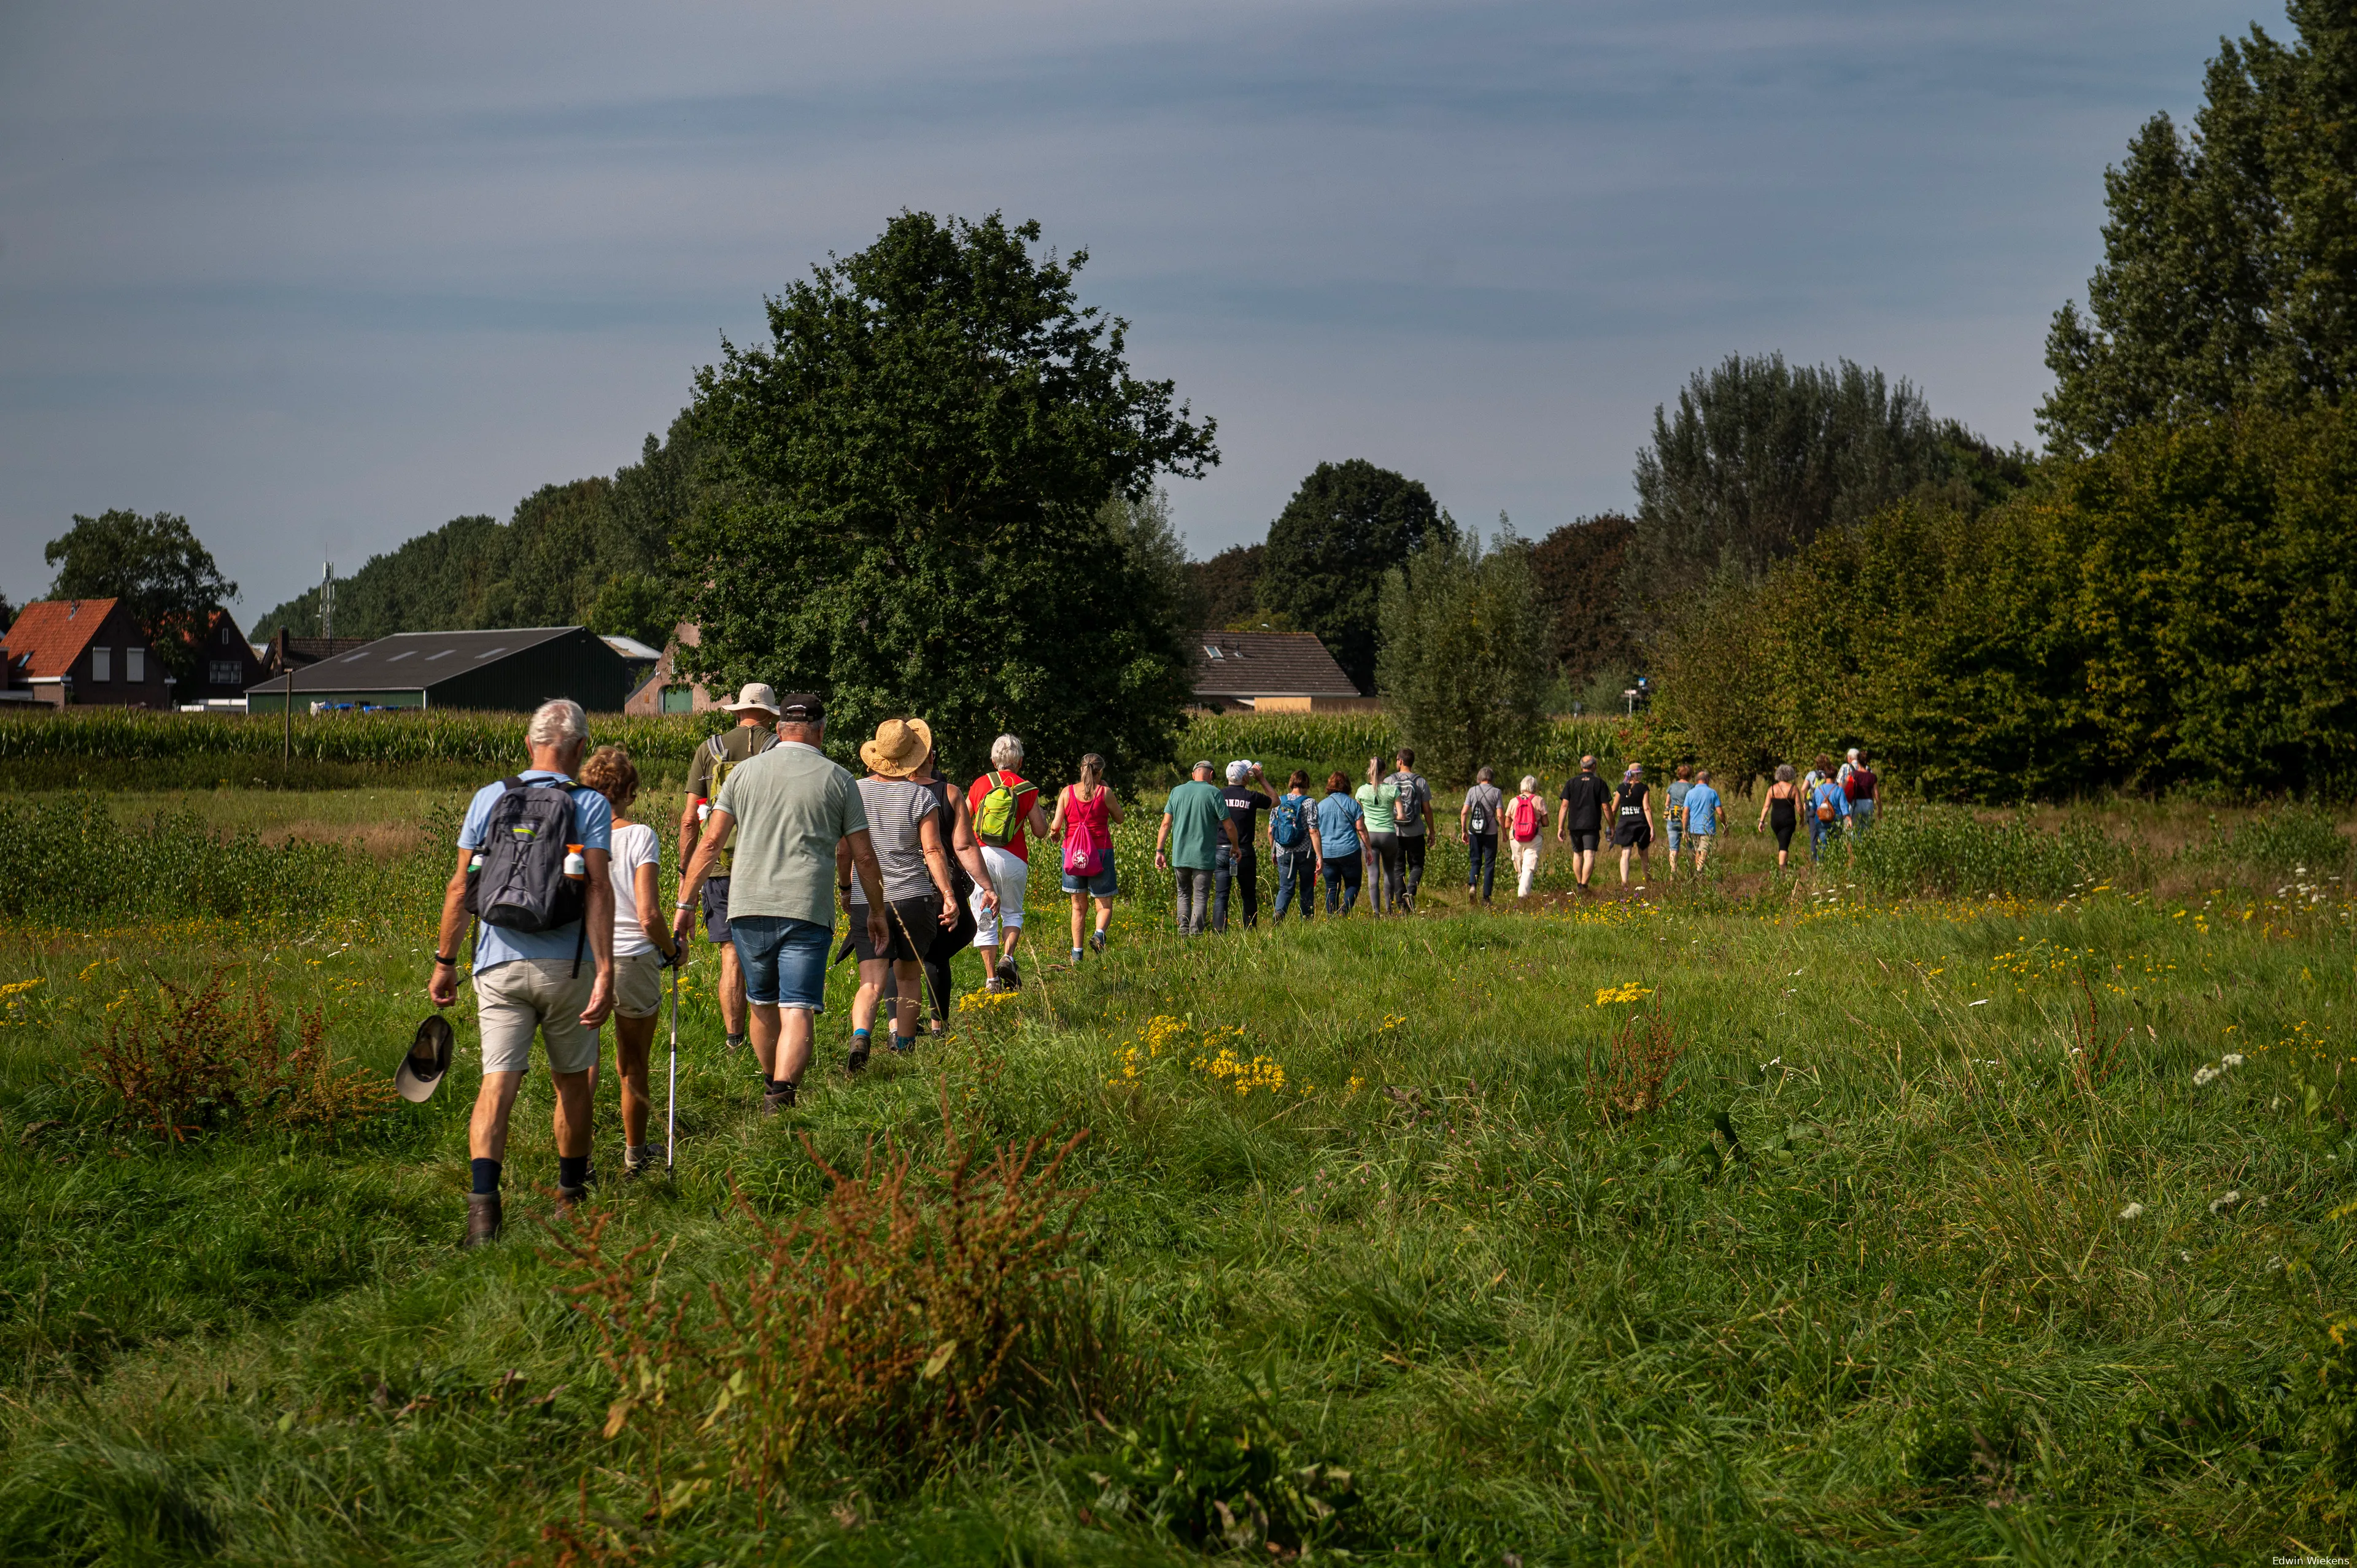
x: 1097, y: 940
x: 636, y: 1162
x: 901, y: 1047
x: 858, y: 1060
x: 991, y: 987
x: 1076, y: 958
x: 1008, y: 977
x: 483, y: 1219
x: 734, y: 1042
x: 777, y: 1100
x: 569, y: 1199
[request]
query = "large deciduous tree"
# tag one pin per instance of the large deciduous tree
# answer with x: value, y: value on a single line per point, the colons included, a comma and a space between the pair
x: 2230, y: 257
x: 935, y: 496
x: 1466, y: 655
x: 1579, y: 570
x: 1347, y: 526
x: 162, y: 572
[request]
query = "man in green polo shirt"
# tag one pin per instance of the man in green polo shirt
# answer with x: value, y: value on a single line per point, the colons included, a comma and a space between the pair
x: 1194, y: 821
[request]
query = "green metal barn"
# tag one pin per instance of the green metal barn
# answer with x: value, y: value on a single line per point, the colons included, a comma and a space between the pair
x: 514, y: 669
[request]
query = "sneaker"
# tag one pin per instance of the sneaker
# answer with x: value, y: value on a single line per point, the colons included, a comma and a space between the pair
x: 1076, y: 958
x: 483, y: 1219
x: 1008, y: 977
x: 569, y: 1199
x: 991, y: 987
x: 735, y: 1043
x: 637, y: 1161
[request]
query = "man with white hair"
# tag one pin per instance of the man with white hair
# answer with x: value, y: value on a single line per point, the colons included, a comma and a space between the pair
x: 1004, y: 807
x: 532, y: 868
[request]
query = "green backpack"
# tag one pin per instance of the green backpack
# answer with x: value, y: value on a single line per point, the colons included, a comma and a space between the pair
x: 722, y: 766
x: 996, y: 821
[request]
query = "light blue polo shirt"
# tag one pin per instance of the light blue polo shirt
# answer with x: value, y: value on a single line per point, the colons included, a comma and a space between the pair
x: 593, y: 818
x: 1702, y: 810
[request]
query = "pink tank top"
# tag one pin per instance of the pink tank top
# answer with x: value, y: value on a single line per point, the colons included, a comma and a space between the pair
x: 1086, y: 821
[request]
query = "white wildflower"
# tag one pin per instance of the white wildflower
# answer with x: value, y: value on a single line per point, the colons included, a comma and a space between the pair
x: 2232, y: 1059
x: 2133, y: 1211
x: 2202, y: 1075
x: 2226, y: 1199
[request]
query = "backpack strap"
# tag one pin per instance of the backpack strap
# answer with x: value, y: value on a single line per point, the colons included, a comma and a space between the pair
x: 514, y: 782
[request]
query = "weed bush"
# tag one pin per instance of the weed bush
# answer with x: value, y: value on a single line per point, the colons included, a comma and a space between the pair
x: 188, y: 1061
x: 2295, y: 837
x: 893, y: 1319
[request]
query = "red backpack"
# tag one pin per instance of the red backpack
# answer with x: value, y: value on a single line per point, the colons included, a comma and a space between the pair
x: 1528, y: 819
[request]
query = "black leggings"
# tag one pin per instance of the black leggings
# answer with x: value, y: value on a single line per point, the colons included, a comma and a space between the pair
x: 1411, y: 859
x: 1386, y: 871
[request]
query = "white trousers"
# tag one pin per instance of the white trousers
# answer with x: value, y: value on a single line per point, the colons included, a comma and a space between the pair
x: 1526, y: 866
x: 1010, y: 876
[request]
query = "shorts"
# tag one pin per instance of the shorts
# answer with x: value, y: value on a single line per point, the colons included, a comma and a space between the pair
x: 1676, y: 834
x: 913, y: 924
x: 1010, y: 878
x: 716, y: 908
x: 1701, y: 839
x: 523, y: 994
x: 638, y: 984
x: 1585, y: 840
x: 784, y: 960
x: 1104, y: 885
x: 1633, y: 835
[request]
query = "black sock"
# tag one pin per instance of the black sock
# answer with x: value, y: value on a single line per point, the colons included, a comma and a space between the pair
x: 776, y: 1085
x: 487, y: 1177
x: 571, y: 1170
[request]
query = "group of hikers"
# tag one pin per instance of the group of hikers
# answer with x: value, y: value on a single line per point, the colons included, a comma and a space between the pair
x: 559, y: 882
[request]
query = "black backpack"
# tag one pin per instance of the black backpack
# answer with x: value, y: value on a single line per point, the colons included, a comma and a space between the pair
x: 522, y: 886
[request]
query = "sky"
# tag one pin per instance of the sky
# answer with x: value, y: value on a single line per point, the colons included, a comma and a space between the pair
x: 321, y: 278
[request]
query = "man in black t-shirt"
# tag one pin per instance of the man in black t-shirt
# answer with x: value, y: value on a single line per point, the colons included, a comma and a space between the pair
x: 1580, y: 819
x: 1241, y: 865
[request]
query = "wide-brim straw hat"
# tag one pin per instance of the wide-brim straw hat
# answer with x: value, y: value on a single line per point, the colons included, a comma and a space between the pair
x: 755, y: 698
x: 899, y: 748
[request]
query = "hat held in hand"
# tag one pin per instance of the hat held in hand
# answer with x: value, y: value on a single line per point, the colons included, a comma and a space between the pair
x: 428, y: 1062
x: 899, y: 750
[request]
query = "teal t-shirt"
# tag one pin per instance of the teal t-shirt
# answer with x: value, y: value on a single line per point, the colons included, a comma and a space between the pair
x: 1377, y: 801
x: 1196, y: 811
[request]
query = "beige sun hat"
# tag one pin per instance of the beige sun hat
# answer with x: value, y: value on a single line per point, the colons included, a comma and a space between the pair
x: 754, y: 697
x: 899, y: 748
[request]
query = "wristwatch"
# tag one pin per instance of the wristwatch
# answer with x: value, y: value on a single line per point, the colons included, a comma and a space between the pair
x: 442, y: 958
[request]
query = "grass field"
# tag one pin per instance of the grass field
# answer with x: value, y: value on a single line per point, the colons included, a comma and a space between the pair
x: 1801, y: 1220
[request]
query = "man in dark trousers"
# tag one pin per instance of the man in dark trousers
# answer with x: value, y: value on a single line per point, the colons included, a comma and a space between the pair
x: 1240, y: 864
x: 1411, y: 822
x: 1580, y: 819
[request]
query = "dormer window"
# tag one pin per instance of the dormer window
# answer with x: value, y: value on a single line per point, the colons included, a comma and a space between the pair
x: 1209, y: 652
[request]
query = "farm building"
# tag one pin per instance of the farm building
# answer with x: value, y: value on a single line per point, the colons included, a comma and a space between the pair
x: 663, y: 690
x: 79, y: 653
x: 1271, y: 673
x: 513, y: 669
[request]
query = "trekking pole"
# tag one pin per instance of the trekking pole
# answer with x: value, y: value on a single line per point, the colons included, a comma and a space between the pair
x: 671, y: 1090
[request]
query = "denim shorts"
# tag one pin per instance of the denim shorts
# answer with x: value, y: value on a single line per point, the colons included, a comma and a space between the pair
x: 784, y: 960
x: 1101, y: 885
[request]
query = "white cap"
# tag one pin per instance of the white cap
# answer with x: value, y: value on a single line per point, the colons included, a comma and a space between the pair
x: 1239, y: 771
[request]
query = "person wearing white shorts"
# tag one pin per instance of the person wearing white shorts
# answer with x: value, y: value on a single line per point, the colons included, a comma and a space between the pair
x: 1008, y: 863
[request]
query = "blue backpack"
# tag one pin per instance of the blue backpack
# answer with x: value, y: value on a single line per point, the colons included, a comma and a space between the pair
x: 1285, y: 823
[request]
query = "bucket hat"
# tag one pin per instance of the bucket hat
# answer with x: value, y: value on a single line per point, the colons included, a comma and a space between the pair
x: 899, y: 750
x: 755, y: 697
x: 428, y: 1062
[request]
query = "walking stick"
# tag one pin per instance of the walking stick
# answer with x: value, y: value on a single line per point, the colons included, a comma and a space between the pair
x: 671, y: 1090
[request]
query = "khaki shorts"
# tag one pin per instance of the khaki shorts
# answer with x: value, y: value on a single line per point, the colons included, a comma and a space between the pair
x: 637, y: 985
x: 515, y: 998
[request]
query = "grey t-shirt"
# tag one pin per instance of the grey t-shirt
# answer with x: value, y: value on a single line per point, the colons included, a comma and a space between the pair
x: 897, y: 809
x: 792, y: 807
x: 1483, y: 802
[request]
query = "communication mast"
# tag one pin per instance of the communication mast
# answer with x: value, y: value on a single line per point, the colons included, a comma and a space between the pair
x: 327, y: 603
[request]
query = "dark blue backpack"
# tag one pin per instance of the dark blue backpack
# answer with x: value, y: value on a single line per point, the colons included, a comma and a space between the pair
x: 522, y: 886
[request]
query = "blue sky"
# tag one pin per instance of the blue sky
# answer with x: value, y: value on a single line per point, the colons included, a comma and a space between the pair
x: 321, y: 278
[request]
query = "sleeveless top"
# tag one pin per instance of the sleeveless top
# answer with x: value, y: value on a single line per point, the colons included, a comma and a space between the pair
x: 1091, y: 817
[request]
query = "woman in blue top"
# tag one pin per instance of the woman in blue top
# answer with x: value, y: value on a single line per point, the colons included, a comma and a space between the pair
x: 1342, y: 842
x: 1828, y: 806
x: 1293, y: 845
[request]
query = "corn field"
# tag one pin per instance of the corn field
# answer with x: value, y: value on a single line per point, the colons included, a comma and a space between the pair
x: 496, y: 740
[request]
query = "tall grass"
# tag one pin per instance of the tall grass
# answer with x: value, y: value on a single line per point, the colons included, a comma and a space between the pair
x: 434, y: 735
x: 1915, y: 848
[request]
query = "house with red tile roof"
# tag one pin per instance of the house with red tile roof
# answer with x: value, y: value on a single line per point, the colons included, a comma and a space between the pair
x: 79, y: 653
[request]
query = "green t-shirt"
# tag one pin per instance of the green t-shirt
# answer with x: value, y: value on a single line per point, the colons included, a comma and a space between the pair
x: 1196, y: 811
x: 736, y: 745
x: 792, y: 807
x: 1377, y: 801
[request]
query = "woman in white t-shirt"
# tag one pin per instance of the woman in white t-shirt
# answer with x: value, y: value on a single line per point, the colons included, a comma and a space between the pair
x: 642, y: 945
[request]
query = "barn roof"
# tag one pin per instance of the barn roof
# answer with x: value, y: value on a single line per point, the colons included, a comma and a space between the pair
x: 412, y: 660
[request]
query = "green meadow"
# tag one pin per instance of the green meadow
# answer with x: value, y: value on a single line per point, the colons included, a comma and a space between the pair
x: 1978, y: 1195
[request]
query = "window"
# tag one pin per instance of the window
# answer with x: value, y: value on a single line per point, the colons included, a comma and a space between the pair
x: 102, y: 664
x: 134, y: 664
x: 225, y: 672
x: 229, y: 636
x: 1209, y: 652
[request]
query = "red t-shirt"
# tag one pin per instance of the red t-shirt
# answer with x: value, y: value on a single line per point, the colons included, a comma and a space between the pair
x: 1024, y: 799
